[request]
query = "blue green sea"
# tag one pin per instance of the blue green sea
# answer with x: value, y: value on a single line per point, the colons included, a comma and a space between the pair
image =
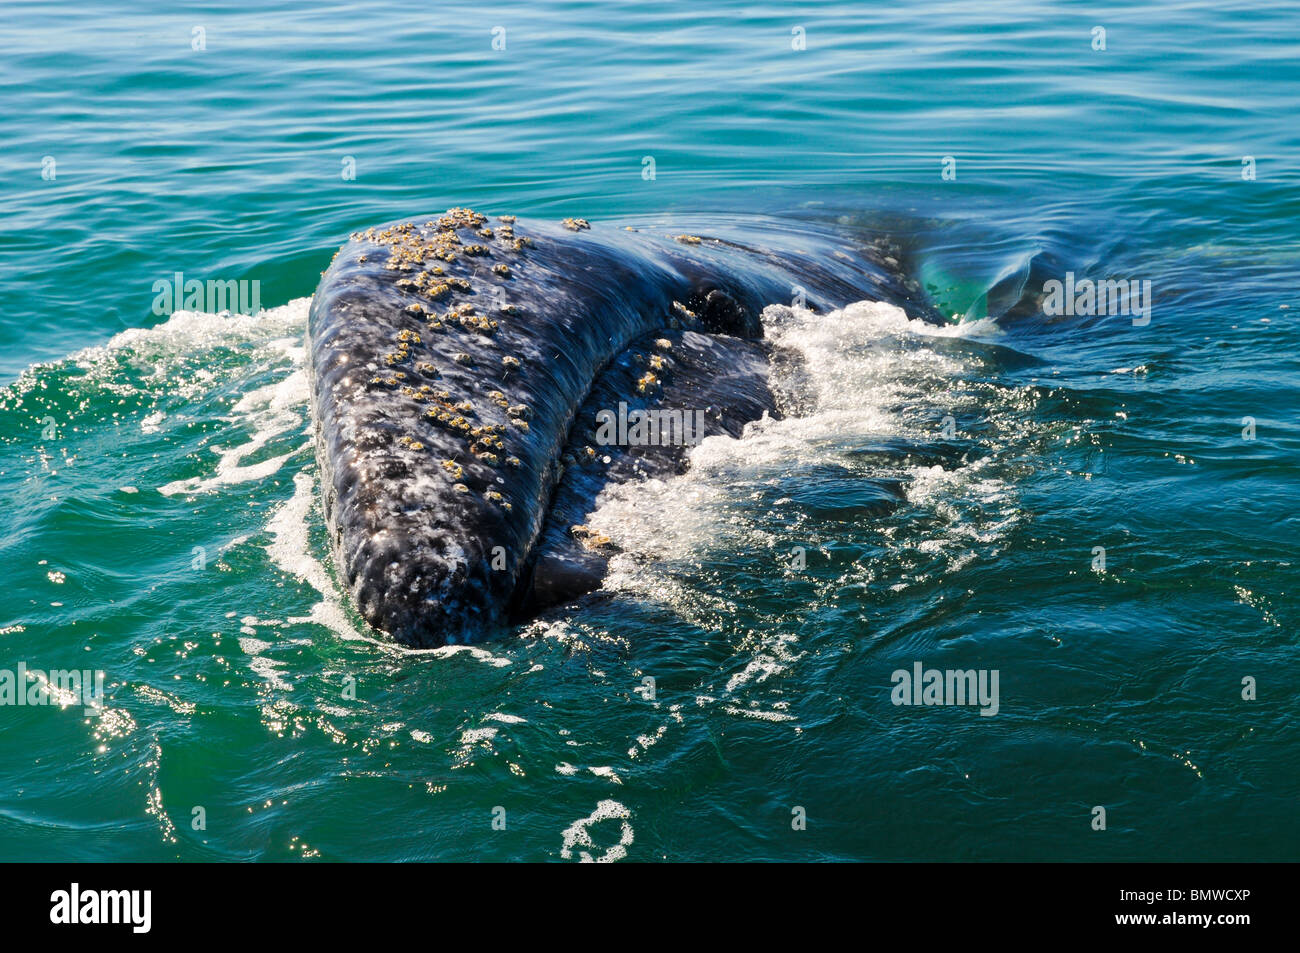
x: 1105, y: 512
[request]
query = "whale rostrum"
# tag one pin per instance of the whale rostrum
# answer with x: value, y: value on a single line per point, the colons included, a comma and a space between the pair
x: 476, y: 381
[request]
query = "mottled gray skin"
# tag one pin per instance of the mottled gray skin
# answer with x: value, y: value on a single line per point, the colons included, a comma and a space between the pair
x: 440, y: 526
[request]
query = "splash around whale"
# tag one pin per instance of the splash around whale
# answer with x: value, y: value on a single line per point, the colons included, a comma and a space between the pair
x: 465, y: 371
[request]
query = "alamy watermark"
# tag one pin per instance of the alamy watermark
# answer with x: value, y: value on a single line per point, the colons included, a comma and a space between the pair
x: 1107, y: 297
x: 649, y: 428
x: 74, y: 906
x: 932, y: 686
x: 63, y: 687
x: 214, y: 296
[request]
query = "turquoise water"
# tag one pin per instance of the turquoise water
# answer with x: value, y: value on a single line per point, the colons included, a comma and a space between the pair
x: 159, y: 518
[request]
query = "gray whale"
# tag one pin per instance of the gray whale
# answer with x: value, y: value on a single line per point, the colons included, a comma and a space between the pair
x: 459, y: 366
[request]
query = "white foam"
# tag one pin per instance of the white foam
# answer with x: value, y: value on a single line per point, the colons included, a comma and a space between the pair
x: 229, y: 473
x: 289, y: 547
x: 190, y: 331
x: 153, y: 422
x: 867, y: 366
x: 478, y: 736
x: 578, y: 834
x: 864, y: 365
x: 173, y: 361
x: 266, y: 413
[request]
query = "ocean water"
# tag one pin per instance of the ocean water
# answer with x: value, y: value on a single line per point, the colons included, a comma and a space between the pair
x: 1103, y: 512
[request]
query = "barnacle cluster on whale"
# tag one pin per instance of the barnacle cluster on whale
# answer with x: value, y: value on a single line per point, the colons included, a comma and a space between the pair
x: 422, y: 253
